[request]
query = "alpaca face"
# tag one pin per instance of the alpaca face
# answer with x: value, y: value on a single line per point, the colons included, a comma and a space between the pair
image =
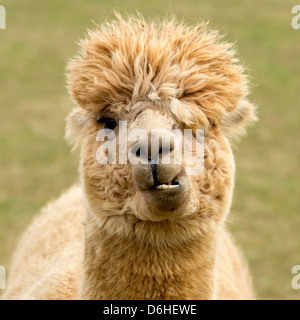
x: 163, y: 77
x: 151, y: 191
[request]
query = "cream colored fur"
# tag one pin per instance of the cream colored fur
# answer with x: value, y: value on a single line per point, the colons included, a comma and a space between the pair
x: 48, y: 262
x: 113, y: 236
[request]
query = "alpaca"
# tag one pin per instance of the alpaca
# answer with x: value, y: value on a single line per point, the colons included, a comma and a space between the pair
x: 144, y: 231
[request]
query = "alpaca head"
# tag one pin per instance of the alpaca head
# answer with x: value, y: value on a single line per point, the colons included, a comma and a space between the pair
x: 164, y: 76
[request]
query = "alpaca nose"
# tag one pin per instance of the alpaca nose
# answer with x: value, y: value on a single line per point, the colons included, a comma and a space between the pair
x: 153, y: 151
x: 162, y: 183
x: 155, y: 167
x: 156, y: 161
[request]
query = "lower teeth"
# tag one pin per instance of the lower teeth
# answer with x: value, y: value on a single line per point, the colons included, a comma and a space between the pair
x: 165, y: 186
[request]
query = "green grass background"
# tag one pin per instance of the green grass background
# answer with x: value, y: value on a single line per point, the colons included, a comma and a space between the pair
x: 36, y: 164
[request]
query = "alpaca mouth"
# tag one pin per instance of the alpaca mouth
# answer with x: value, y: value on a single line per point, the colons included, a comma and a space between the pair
x: 169, y: 185
x: 165, y: 198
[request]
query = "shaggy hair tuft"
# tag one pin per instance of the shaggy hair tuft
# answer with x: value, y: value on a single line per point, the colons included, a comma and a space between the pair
x: 122, y: 62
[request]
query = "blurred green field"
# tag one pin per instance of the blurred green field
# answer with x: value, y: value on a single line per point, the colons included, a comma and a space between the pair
x: 36, y: 164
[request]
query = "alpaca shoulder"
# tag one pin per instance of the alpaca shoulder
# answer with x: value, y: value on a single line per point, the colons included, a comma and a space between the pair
x: 47, y: 262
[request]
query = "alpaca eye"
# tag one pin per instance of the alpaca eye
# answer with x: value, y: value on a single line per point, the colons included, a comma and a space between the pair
x: 108, y: 123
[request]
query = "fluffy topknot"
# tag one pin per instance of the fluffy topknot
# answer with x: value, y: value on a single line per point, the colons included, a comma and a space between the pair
x: 129, y: 60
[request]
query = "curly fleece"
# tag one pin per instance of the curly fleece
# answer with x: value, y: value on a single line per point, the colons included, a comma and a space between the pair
x: 165, y: 69
x: 126, y: 61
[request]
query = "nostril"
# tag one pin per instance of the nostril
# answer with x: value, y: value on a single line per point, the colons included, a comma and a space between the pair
x: 164, y: 150
x: 137, y: 151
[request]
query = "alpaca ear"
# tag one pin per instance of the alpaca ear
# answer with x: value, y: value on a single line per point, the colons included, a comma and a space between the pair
x: 233, y: 124
x: 77, y: 126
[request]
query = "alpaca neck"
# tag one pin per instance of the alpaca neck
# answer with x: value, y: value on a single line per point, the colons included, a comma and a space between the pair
x: 148, y: 260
